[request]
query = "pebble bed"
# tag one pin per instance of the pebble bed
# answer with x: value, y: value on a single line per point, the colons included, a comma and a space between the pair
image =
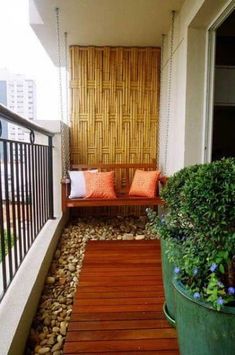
x: 50, y: 323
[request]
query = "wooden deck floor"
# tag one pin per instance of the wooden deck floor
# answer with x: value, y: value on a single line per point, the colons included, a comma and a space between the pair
x: 118, y: 306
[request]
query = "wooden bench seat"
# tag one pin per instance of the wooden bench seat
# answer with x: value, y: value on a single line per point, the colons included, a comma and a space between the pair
x: 123, y: 176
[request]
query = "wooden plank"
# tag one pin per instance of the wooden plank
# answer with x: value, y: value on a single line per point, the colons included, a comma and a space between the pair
x: 147, y: 288
x: 124, y: 246
x: 100, y: 278
x: 164, y: 333
x: 121, y: 345
x: 122, y: 259
x: 119, y: 301
x: 125, y: 253
x: 122, y: 294
x: 105, y: 271
x: 154, y: 352
x: 125, y: 266
x: 118, y: 308
x: 100, y: 316
x: 70, y: 203
x: 102, y: 271
x: 123, y: 282
x: 119, y: 324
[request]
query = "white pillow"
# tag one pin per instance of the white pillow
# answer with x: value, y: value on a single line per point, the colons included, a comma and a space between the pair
x: 78, y: 185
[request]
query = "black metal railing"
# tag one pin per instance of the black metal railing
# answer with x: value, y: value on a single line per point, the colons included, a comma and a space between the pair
x: 26, y: 189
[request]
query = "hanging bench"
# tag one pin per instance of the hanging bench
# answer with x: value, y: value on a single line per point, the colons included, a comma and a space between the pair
x: 123, y: 176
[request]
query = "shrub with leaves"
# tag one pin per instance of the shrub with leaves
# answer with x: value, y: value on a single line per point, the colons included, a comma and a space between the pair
x: 199, y: 229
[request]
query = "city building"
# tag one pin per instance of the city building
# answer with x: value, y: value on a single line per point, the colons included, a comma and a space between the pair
x: 18, y: 93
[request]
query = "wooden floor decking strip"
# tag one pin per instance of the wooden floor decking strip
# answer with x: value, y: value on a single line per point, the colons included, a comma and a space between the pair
x: 118, y: 304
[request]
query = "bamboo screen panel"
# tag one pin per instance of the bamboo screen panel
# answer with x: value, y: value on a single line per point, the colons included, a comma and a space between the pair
x: 114, y: 94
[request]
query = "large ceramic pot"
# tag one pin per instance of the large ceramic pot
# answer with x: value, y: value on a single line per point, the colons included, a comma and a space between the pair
x: 201, y: 329
x: 167, y: 275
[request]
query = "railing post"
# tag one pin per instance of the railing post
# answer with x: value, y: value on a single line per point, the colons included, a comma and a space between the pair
x: 50, y: 178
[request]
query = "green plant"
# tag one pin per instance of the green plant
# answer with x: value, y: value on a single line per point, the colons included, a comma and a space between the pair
x: 6, y: 247
x: 199, y: 229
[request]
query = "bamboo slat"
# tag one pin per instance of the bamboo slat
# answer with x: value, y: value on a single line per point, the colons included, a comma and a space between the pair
x: 115, y: 98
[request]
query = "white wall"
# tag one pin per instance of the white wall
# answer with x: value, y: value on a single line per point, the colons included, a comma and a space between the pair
x: 187, y: 96
x: 55, y: 127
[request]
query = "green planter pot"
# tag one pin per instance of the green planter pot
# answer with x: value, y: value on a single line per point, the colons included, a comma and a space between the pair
x: 167, y: 275
x: 201, y: 329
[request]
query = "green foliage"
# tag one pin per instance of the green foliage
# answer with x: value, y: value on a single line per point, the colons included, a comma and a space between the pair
x: 199, y: 228
x: 6, y: 247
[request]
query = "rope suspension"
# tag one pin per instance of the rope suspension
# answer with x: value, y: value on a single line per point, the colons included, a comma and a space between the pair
x: 169, y: 94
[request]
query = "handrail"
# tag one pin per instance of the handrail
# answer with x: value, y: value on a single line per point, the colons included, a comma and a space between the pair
x: 26, y: 193
x: 13, y: 117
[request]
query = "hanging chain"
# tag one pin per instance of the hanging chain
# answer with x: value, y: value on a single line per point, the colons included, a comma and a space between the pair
x: 160, y: 110
x: 66, y: 74
x: 168, y: 114
x: 62, y: 126
x: 67, y: 101
x: 57, y: 10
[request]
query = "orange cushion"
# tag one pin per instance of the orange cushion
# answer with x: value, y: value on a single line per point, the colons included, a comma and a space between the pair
x: 144, y: 183
x: 100, y: 185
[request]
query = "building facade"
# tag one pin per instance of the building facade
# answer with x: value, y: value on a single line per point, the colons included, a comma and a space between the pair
x: 18, y: 93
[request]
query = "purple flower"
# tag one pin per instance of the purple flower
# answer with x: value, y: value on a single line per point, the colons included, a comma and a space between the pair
x: 220, y: 301
x: 231, y: 290
x: 195, y: 271
x: 196, y: 295
x: 176, y: 270
x: 213, y: 267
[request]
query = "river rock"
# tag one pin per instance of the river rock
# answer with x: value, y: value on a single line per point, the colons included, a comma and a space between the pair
x: 71, y: 267
x: 128, y: 236
x: 50, y: 280
x: 55, y: 329
x: 56, y: 347
x: 139, y: 237
x: 43, y: 350
x: 63, y: 328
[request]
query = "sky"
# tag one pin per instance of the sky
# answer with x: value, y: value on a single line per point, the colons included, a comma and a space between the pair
x: 22, y: 53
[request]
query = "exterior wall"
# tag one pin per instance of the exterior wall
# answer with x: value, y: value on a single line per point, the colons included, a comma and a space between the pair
x: 186, y: 96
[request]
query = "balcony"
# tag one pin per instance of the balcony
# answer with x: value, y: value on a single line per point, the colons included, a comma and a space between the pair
x: 118, y: 115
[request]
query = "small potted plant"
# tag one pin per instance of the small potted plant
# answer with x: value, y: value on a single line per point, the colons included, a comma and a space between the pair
x: 202, y: 212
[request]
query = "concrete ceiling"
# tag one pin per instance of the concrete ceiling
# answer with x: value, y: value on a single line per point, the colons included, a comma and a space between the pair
x: 102, y: 22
